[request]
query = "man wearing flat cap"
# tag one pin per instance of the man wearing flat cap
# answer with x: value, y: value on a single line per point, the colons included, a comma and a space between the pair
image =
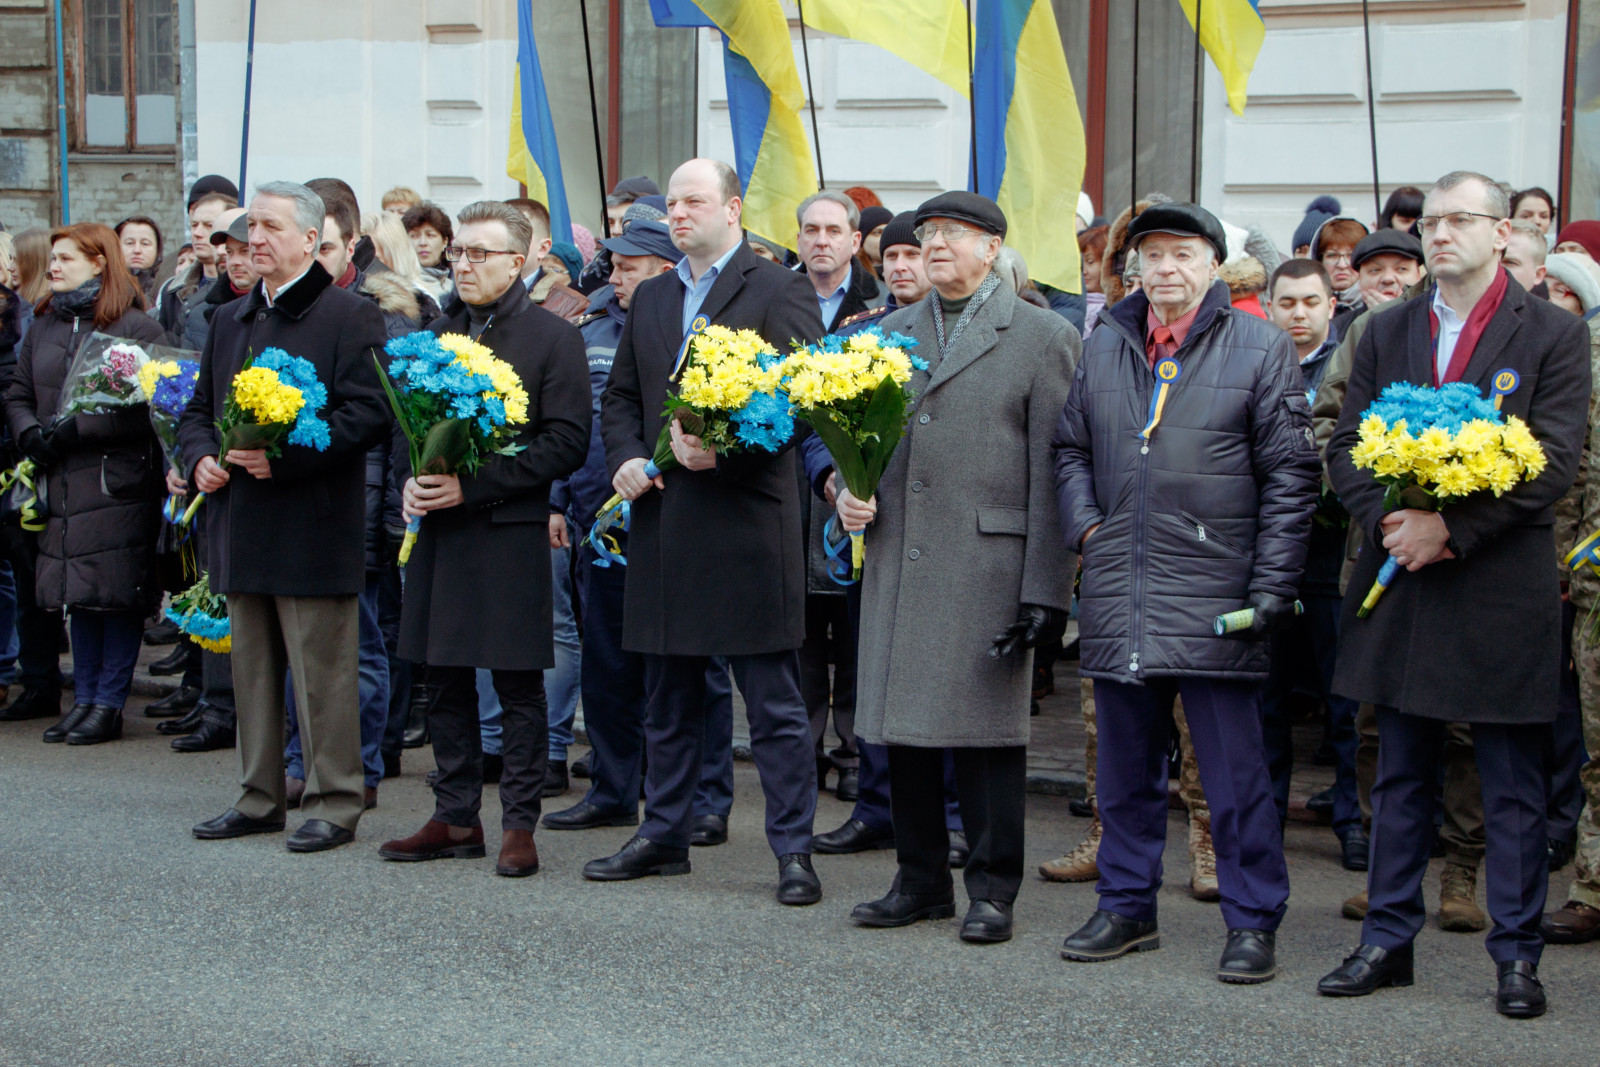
x: 965, y: 567
x: 1187, y: 478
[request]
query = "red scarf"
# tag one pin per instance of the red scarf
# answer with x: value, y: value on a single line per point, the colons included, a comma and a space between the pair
x: 1471, y: 331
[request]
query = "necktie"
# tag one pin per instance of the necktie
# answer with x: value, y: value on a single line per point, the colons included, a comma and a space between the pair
x: 1163, y: 346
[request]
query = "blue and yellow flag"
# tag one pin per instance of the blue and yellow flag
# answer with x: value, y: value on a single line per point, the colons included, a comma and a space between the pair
x: 1029, y: 134
x: 932, y: 35
x: 1232, y: 37
x: 534, y: 159
x: 771, y: 151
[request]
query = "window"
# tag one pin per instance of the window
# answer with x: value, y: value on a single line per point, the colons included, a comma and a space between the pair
x: 126, y: 75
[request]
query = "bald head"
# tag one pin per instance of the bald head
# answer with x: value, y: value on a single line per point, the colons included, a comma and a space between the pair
x: 703, y: 207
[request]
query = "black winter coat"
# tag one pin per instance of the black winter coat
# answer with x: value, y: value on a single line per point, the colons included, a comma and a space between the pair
x: 302, y: 531
x: 477, y: 590
x: 716, y: 563
x: 1217, y: 508
x: 103, y: 497
x: 1476, y: 638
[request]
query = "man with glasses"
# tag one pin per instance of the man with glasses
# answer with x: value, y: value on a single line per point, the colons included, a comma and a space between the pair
x: 1471, y: 631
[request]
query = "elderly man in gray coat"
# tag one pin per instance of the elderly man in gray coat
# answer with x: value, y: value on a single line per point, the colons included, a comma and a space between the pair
x: 964, y: 544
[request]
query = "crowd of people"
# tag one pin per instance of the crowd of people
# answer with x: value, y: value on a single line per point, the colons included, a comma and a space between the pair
x: 1170, y: 446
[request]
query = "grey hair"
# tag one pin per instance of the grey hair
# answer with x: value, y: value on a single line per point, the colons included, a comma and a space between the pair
x: 1013, y: 269
x: 309, y: 210
x: 1494, y: 197
x: 519, y: 231
x: 850, y: 209
x: 1534, y: 235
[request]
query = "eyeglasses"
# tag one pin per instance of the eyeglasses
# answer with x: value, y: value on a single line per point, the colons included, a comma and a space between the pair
x: 953, y: 231
x: 474, y: 255
x: 1457, y: 220
x: 1336, y: 257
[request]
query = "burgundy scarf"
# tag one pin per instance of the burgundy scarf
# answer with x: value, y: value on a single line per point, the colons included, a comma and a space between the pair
x: 1477, y: 322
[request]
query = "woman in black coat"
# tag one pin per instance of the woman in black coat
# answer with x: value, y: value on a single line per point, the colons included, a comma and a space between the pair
x: 103, y: 478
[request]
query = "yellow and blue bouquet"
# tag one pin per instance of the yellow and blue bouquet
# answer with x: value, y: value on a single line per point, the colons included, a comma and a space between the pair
x: 203, y: 615
x: 274, y: 400
x: 1431, y: 445
x: 852, y: 392
x: 730, y: 395
x: 455, y: 402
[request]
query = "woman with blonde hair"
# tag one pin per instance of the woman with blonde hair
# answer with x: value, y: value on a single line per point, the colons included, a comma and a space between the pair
x: 395, y: 251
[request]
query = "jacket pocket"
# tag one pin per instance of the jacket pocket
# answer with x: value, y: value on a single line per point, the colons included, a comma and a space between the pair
x: 1002, y: 519
x: 124, y: 476
x: 1204, y: 534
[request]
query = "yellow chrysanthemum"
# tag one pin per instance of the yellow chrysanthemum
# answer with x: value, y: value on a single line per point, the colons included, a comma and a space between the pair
x: 152, y: 372
x: 267, y: 399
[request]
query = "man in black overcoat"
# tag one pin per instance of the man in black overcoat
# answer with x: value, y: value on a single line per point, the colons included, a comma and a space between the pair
x: 1469, y: 629
x: 287, y: 535
x: 716, y: 564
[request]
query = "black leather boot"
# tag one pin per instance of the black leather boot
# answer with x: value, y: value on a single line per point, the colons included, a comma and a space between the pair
x: 186, y: 725
x: 103, y: 723
x: 69, y: 722
x: 416, y: 734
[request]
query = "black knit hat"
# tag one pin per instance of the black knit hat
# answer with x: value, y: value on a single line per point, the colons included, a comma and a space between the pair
x: 901, y: 230
x: 873, y: 217
x: 962, y: 206
x: 1387, y: 240
x: 1184, y: 220
x: 211, y: 183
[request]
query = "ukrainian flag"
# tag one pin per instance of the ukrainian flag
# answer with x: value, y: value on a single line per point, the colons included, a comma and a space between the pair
x: 932, y: 35
x: 1232, y: 36
x: 1029, y: 135
x: 771, y: 151
x: 534, y: 159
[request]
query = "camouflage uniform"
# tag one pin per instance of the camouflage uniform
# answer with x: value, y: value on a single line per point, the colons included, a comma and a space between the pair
x: 1189, y: 791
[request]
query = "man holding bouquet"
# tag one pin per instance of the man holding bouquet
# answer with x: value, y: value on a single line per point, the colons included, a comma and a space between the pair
x: 715, y: 557
x: 286, y: 532
x: 1469, y: 630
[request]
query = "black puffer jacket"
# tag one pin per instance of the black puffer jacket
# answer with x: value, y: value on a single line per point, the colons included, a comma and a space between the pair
x: 103, y: 497
x: 404, y: 311
x: 1217, y: 508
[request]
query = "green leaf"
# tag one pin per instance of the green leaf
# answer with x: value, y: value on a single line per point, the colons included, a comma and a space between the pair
x: 847, y: 455
x: 882, y: 425
x: 447, y: 443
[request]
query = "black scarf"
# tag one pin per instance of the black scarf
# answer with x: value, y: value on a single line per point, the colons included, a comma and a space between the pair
x: 79, y: 302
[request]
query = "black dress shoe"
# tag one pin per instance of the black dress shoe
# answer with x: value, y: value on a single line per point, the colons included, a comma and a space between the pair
x: 233, y: 824
x: 709, y: 830
x: 33, y: 704
x: 639, y: 858
x: 209, y: 737
x: 56, y: 734
x: 555, y: 778
x: 585, y: 816
x: 899, y: 908
x: 1080, y: 807
x: 431, y: 779
x: 318, y: 835
x: 1108, y: 936
x: 1355, y: 846
x: 1249, y: 958
x: 493, y: 767
x: 186, y: 725
x: 176, y: 661
x: 798, y: 884
x: 417, y: 709
x: 1521, y: 994
x: 415, y: 736
x: 103, y: 723
x: 580, y: 767
x: 162, y: 633
x: 853, y: 836
x: 1368, y: 968
x: 391, y: 763
x: 1321, y: 804
x: 176, y: 702
x: 960, y: 851
x: 988, y: 922
x: 1560, y: 854
x: 849, y: 787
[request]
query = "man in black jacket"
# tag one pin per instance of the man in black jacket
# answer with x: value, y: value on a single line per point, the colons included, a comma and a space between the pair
x: 715, y: 557
x: 287, y: 534
x: 1472, y: 631
x: 1187, y: 477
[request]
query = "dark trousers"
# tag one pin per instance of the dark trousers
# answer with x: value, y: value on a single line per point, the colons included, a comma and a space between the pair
x: 216, y: 689
x: 830, y: 639
x: 38, y: 630
x: 453, y: 723
x: 991, y: 783
x: 388, y: 605
x: 613, y: 707
x: 1315, y: 634
x: 1565, y: 754
x: 1517, y: 869
x: 105, y: 650
x: 1131, y: 784
x: 676, y: 709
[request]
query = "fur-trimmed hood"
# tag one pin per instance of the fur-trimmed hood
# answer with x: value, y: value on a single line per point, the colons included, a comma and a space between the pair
x: 1116, y: 240
x: 1245, y: 276
x: 391, y: 294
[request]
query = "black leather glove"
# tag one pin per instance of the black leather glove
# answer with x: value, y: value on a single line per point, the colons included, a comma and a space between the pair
x: 35, y: 447
x: 63, y: 436
x: 1024, y: 633
x: 1273, y: 613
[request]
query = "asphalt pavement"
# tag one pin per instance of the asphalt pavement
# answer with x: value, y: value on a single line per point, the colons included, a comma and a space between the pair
x: 125, y: 941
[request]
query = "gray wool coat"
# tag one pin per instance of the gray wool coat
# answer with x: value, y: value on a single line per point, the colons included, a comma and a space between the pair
x: 967, y: 530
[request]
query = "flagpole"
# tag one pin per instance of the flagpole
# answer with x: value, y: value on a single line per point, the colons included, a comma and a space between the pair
x: 594, y: 118
x: 972, y: 105
x: 811, y: 96
x: 1194, y: 133
x: 1372, y: 117
x: 1133, y: 156
x: 249, y: 74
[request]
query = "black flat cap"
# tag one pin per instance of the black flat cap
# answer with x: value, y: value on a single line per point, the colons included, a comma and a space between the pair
x: 962, y: 206
x: 644, y: 237
x: 901, y: 230
x: 1183, y: 220
x: 635, y: 188
x: 1396, y: 241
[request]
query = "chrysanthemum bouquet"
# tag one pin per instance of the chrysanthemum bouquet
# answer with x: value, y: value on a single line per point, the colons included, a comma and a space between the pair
x: 730, y: 395
x: 274, y: 400
x: 168, y: 386
x: 456, y: 403
x: 852, y: 392
x: 104, y: 375
x: 1427, y: 446
x: 203, y: 615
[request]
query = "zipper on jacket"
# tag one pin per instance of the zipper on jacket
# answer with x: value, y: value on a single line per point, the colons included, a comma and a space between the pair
x: 1200, y: 529
x: 1141, y: 519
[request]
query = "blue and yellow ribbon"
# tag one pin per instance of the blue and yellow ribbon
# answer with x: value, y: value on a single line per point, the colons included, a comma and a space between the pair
x: 605, y: 543
x: 1585, y: 552
x: 25, y: 473
x: 696, y: 328
x: 1167, y: 372
x: 841, y: 570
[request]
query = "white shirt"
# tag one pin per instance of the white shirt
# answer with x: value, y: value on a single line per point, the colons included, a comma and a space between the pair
x: 1450, y: 327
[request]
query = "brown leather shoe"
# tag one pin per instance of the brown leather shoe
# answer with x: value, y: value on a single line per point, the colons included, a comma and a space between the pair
x: 294, y: 791
x: 1576, y: 923
x: 436, y: 841
x: 518, y: 855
